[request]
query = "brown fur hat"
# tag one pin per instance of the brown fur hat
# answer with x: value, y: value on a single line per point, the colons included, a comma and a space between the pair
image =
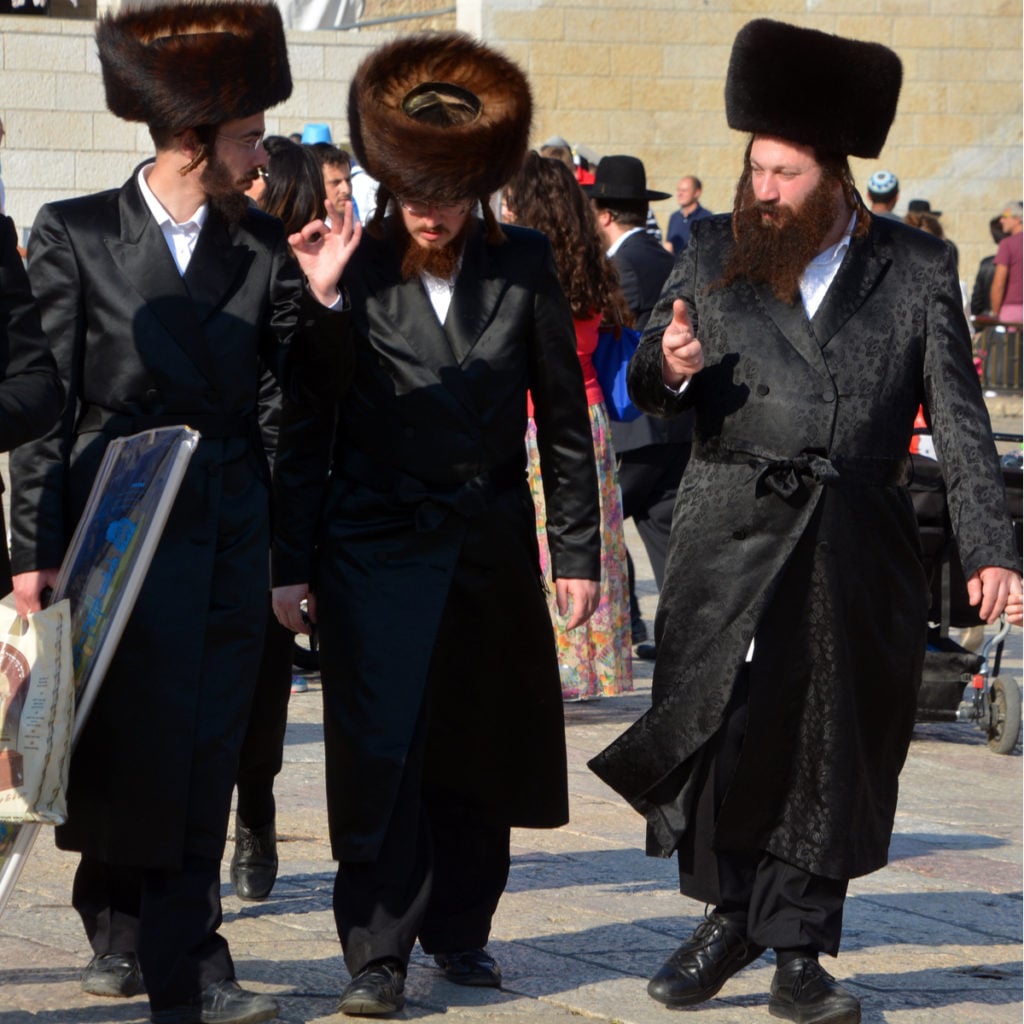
x: 835, y: 94
x: 439, y: 116
x: 189, y: 64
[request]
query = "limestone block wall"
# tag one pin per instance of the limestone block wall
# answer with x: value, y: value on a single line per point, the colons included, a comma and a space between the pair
x: 647, y: 78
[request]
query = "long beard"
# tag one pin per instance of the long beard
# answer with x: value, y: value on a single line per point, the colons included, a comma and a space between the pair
x: 225, y: 194
x: 775, y: 244
x: 442, y: 262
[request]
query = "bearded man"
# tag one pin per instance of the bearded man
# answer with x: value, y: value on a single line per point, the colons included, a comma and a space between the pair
x: 418, y: 556
x: 804, y: 332
x: 160, y: 300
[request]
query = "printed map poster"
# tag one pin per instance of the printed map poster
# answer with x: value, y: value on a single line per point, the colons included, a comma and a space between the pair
x: 101, y: 575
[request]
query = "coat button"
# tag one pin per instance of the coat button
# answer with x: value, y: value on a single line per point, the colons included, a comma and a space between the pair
x: 828, y: 396
x: 739, y: 535
x: 152, y: 394
x: 762, y: 389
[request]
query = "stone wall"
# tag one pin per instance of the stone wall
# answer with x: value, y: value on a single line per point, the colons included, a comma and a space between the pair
x: 643, y: 78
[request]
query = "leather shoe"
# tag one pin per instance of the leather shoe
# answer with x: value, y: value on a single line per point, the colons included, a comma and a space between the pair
x: 475, y: 967
x: 112, y: 974
x: 702, y: 964
x: 375, y: 991
x: 647, y: 652
x: 254, y: 863
x: 221, y: 1002
x: 803, y: 991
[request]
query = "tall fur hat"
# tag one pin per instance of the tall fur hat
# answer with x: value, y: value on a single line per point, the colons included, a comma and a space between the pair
x: 837, y: 95
x: 188, y: 64
x: 439, y: 116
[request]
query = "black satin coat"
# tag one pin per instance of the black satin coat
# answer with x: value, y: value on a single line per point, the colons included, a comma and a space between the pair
x: 138, y: 345
x: 428, y: 485
x: 790, y: 527
x: 31, y: 394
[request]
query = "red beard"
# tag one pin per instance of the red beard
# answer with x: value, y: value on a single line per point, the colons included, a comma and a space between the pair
x: 442, y: 262
x: 774, y: 244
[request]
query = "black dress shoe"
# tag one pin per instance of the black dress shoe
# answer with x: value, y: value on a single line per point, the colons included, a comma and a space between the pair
x: 113, y: 974
x: 222, y: 1002
x: 702, y: 964
x: 375, y: 991
x: 254, y: 863
x: 647, y: 652
x: 475, y: 967
x: 638, y: 628
x: 803, y: 991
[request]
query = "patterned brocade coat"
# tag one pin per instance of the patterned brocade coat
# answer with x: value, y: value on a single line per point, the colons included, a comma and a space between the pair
x: 792, y: 527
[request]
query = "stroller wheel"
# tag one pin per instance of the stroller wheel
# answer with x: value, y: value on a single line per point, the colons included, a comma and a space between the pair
x: 1004, y: 715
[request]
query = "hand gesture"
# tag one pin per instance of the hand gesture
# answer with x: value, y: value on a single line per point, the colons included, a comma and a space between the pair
x: 323, y: 252
x: 681, y: 353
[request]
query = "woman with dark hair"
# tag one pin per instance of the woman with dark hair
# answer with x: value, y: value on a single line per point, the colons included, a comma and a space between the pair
x: 293, y: 184
x: 595, y: 659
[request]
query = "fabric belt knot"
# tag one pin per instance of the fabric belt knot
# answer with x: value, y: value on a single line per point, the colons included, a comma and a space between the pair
x: 785, y: 477
x: 434, y: 503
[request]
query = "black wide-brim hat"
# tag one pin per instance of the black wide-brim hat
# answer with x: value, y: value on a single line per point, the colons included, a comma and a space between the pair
x: 622, y: 179
x: 834, y: 94
x: 183, y: 65
x: 439, y: 117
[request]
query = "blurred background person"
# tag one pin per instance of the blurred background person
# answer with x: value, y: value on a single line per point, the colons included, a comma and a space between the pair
x: 981, y: 293
x: 291, y: 189
x: 595, y: 659
x: 1007, y: 295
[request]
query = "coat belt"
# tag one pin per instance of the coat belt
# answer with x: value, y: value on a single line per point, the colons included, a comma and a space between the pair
x: 210, y: 425
x: 787, y: 477
x: 433, y: 502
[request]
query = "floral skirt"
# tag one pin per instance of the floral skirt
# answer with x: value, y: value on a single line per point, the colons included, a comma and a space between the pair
x: 595, y: 659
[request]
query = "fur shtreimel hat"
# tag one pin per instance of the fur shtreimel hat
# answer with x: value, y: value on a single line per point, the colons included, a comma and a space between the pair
x: 189, y: 64
x: 439, y: 117
x: 837, y: 95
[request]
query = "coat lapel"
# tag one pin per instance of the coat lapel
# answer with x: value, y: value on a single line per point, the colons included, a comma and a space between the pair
x: 216, y: 265
x: 792, y: 321
x: 857, y: 277
x: 477, y: 293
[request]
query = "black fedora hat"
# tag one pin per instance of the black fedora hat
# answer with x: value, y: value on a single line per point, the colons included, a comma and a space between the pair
x: 621, y: 178
x: 922, y: 206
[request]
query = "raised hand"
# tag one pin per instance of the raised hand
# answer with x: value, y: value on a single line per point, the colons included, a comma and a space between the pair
x: 323, y: 253
x: 682, y: 354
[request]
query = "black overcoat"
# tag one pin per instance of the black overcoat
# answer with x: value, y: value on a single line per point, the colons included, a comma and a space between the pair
x: 137, y: 345
x: 428, y: 484
x: 791, y: 527
x: 31, y: 394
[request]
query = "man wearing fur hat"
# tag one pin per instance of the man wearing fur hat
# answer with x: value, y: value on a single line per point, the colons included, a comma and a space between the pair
x: 442, y: 702
x: 804, y: 332
x: 160, y: 300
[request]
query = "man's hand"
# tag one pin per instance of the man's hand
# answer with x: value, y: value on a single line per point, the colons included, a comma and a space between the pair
x: 29, y: 587
x: 681, y: 353
x: 287, y: 602
x: 323, y: 253
x: 997, y: 590
x: 583, y: 595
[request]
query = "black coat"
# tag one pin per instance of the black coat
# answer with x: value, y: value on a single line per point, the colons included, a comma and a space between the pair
x: 428, y: 486
x: 643, y: 265
x: 138, y: 345
x: 31, y: 394
x: 791, y: 528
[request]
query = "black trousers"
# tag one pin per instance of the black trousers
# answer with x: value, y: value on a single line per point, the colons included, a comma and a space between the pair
x: 649, y: 479
x: 263, y: 746
x: 778, y: 905
x: 169, y: 918
x: 438, y: 877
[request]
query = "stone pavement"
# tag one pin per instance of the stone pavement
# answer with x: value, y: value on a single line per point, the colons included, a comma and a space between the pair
x: 934, y: 938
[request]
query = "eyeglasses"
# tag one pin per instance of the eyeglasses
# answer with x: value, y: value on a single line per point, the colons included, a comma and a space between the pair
x: 421, y: 207
x: 251, y: 144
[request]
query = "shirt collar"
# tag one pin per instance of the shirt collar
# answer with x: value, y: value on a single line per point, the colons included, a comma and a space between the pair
x: 616, y: 245
x: 160, y: 214
x: 835, y: 253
